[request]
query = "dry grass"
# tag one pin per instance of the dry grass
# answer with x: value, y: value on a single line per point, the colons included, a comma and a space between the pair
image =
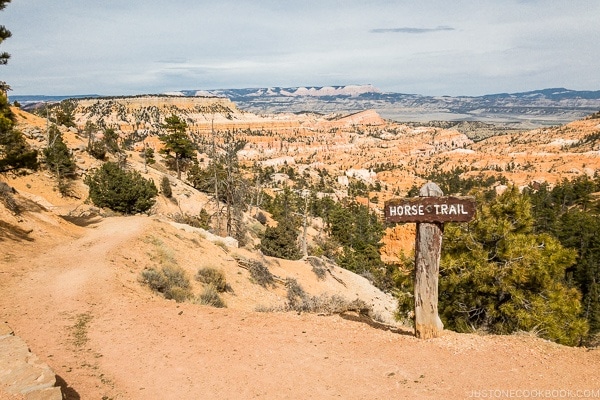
x: 210, y: 297
x: 7, y: 198
x: 171, y: 281
x: 80, y: 328
x: 300, y: 301
x: 261, y: 274
x: 215, y: 277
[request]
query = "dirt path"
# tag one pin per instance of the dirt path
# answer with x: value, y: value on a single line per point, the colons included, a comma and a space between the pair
x: 107, y: 337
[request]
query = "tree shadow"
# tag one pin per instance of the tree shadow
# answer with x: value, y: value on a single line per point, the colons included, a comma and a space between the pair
x: 13, y: 232
x: 82, y: 221
x: 67, y: 391
x: 356, y: 317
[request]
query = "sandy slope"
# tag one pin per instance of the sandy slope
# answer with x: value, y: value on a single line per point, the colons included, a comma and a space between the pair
x: 73, y: 296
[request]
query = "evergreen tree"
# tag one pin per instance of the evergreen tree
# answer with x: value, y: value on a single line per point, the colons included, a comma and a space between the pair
x: 497, y: 275
x: 234, y: 186
x: 15, y: 153
x: 65, y: 114
x: 281, y: 241
x: 59, y: 159
x: 359, y: 232
x: 578, y: 230
x: 120, y: 190
x: 285, y: 205
x: 165, y: 187
x: 570, y: 212
x: 4, y: 34
x: 224, y: 179
x: 177, y: 146
x: 111, y: 141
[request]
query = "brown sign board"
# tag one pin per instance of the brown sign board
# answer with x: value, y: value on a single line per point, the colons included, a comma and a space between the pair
x: 430, y: 209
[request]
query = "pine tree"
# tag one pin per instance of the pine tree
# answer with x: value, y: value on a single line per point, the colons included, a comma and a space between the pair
x: 4, y: 34
x: 570, y: 212
x: 123, y: 191
x: 15, y: 153
x: 59, y: 159
x: 281, y: 241
x: 65, y: 114
x: 177, y: 146
x: 497, y: 275
x: 578, y: 230
x: 110, y: 140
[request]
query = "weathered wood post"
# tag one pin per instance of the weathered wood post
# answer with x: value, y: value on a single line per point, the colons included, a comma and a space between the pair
x: 428, y: 248
x: 429, y: 211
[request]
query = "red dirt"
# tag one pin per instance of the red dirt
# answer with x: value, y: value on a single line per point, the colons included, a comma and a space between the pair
x: 131, y: 344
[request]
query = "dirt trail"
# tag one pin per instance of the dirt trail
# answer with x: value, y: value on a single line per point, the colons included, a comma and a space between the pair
x: 81, y: 311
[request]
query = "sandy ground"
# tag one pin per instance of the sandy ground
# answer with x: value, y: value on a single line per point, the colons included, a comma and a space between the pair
x: 73, y: 296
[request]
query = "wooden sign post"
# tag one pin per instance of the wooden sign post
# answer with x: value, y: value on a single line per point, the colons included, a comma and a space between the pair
x: 429, y: 211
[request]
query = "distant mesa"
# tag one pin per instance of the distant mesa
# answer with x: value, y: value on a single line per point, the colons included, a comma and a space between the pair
x: 301, y: 91
x: 523, y: 110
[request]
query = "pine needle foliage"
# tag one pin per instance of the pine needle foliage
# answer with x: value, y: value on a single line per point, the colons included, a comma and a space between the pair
x: 120, y: 190
x: 178, y: 147
x: 15, y: 153
x: 498, y: 276
x: 281, y: 241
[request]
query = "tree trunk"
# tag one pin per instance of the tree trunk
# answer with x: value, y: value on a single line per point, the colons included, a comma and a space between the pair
x: 145, y: 158
x: 305, y: 229
x: 427, y: 265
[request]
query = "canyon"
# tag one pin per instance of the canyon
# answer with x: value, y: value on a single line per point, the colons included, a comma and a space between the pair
x: 70, y: 272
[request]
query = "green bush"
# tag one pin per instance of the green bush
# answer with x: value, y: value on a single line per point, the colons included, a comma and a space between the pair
x: 280, y: 241
x: 262, y: 218
x: 97, y: 150
x: 165, y: 187
x: 202, y: 220
x: 172, y: 282
x: 15, y: 152
x: 123, y: 191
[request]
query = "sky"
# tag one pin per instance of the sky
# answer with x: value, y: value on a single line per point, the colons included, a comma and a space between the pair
x: 428, y: 47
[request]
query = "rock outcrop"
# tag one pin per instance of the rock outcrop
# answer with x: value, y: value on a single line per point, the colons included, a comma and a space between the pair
x: 22, y: 374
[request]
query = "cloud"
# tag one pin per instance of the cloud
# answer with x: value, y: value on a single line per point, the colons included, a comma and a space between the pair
x: 412, y: 30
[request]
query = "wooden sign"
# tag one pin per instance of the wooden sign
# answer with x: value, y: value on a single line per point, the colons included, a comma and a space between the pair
x: 430, y: 209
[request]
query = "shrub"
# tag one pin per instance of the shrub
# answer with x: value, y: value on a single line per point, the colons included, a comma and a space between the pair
x: 7, y: 198
x: 300, y: 301
x: 210, y: 297
x: 165, y: 187
x: 262, y: 218
x: 171, y: 282
x: 261, y: 274
x: 318, y: 267
x: 296, y: 296
x: 213, y: 276
x: 97, y: 150
x: 123, y: 191
x: 202, y: 220
x: 59, y: 160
